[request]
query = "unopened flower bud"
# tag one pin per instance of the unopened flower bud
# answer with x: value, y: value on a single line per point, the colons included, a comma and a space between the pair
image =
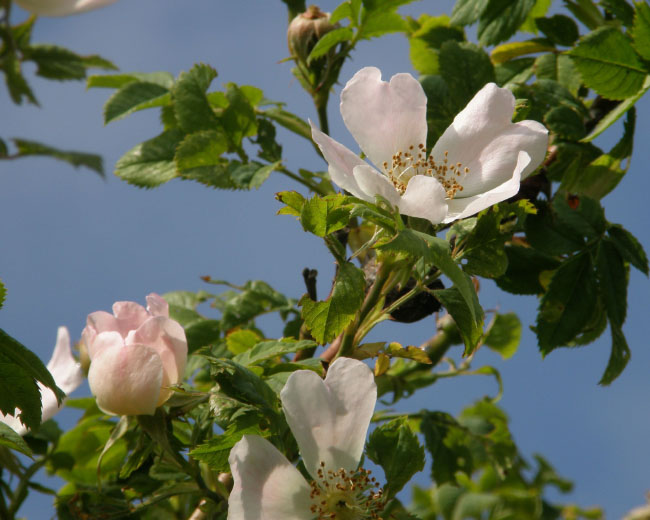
x: 306, y: 29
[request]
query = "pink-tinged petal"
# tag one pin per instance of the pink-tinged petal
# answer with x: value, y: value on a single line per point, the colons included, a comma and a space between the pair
x: 167, y: 337
x: 157, y: 305
x: 64, y: 368
x: 109, y: 339
x: 126, y: 380
x: 129, y: 316
x: 483, y: 139
x: 61, y: 7
x: 341, y: 162
x: 384, y: 117
x: 266, y: 486
x: 330, y: 418
x: 374, y: 183
x: 424, y: 198
x: 99, y: 321
x: 468, y: 206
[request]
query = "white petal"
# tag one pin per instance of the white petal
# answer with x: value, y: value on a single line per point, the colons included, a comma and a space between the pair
x: 384, y: 117
x: 341, y: 162
x: 104, y: 340
x: 374, y: 183
x: 330, y: 418
x: 63, y: 366
x: 14, y: 423
x: 468, y: 206
x: 425, y: 198
x: 61, y: 7
x: 483, y: 139
x: 266, y: 486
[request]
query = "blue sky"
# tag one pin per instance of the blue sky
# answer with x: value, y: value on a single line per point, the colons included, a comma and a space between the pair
x: 73, y: 243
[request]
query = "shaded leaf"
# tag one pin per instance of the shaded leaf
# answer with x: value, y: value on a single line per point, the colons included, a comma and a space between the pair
x: 151, y: 163
x: 76, y: 159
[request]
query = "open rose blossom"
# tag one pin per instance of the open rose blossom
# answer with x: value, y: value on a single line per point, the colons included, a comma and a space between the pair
x: 478, y: 161
x: 329, y: 419
x: 61, y: 7
x: 67, y: 375
x: 136, y: 355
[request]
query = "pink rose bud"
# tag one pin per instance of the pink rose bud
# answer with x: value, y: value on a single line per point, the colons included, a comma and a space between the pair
x: 136, y: 355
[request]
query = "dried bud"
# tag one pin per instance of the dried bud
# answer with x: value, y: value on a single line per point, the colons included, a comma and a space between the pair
x: 306, y: 29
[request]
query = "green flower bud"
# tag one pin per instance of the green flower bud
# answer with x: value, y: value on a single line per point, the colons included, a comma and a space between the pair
x: 306, y: 29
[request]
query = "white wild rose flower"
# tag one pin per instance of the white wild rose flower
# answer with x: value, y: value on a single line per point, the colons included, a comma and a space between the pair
x: 67, y: 375
x: 478, y: 161
x: 329, y: 419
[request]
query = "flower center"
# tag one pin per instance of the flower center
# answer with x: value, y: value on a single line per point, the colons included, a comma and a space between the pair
x: 345, y: 496
x: 406, y: 164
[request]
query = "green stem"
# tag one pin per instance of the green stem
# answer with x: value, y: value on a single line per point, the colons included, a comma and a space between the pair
x: 373, y: 296
x: 321, y: 110
x: 305, y: 182
x: 21, y: 491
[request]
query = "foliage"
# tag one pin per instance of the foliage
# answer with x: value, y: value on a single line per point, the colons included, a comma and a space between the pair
x: 551, y: 241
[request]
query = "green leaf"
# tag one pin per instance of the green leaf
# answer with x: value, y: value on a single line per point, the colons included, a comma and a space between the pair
x: 328, y: 41
x: 16, y: 82
x: 586, y: 12
x: 439, y: 249
x: 641, y: 30
x: 324, y: 215
x: 568, y: 304
x: 549, y: 236
x: 560, y: 29
x: 618, y: 358
x: 54, y: 62
x: 293, y: 201
x: 470, y: 329
x: 10, y: 439
x: 565, y: 122
x: 151, y: 163
x: 612, y: 281
x: 163, y: 79
x: 604, y: 173
x: 270, y: 349
x: 255, y: 298
x: 504, y: 334
x: 525, y: 267
x: 514, y: 71
x: 580, y: 214
x: 465, y: 68
x: 466, y: 12
x: 615, y: 114
x: 629, y: 247
x: 507, y: 51
x: 191, y: 105
x: 19, y: 370
x: 199, y: 156
x: 238, y: 119
x: 3, y: 293
x: 76, y: 159
x: 609, y: 64
x: 133, y: 97
x: 216, y: 451
x: 326, y: 319
x: 501, y: 19
x: 380, y: 22
x: 395, y: 448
